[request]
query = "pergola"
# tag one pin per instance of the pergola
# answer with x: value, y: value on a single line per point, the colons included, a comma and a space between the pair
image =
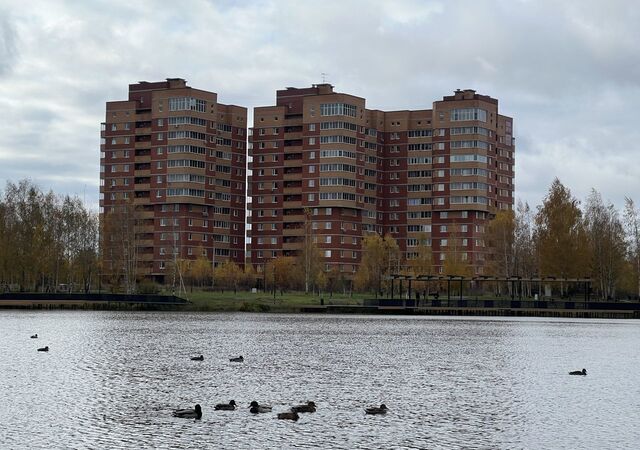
x: 516, y: 282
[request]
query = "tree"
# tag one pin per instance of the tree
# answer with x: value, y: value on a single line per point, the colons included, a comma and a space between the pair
x: 119, y: 246
x: 422, y: 264
x: 200, y: 270
x: 501, y: 242
x: 45, y: 239
x: 249, y: 277
x: 560, y: 235
x: 281, y: 273
x: 606, y: 244
x: 525, y: 261
x: 228, y: 275
x: 456, y: 261
x: 632, y: 229
x: 310, y: 256
x: 380, y: 258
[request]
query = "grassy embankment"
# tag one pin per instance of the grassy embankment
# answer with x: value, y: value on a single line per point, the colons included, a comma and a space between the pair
x: 263, y: 302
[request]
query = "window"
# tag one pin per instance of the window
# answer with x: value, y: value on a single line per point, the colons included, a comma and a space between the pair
x: 311, y: 197
x: 312, y: 127
x: 312, y: 141
x: 312, y: 155
x: 337, y: 109
x: 327, y: 253
x: 327, y: 225
x: 461, y: 114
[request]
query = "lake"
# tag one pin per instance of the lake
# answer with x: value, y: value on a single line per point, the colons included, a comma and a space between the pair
x: 112, y: 379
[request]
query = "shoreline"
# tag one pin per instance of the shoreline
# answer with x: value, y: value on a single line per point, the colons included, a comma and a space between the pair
x: 495, y: 307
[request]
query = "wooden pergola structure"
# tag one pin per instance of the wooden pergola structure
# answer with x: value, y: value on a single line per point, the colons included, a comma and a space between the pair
x: 516, y: 283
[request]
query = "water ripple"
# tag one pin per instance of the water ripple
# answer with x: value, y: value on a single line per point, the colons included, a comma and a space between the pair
x: 112, y: 380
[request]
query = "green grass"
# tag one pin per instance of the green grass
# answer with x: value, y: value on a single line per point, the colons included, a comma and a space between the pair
x: 264, y: 302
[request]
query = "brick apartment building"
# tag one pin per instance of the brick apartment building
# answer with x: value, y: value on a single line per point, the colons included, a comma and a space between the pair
x: 434, y: 175
x: 176, y: 158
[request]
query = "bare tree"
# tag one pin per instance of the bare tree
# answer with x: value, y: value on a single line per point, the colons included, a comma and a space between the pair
x: 632, y: 229
x: 606, y: 243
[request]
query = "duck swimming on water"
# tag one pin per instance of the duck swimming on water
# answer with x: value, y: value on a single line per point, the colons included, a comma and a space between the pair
x: 375, y: 410
x: 226, y: 406
x: 238, y: 359
x: 578, y: 372
x: 195, y: 413
x: 289, y: 416
x: 255, y: 408
x: 197, y: 358
x: 310, y: 407
x: 34, y: 336
x: 44, y: 349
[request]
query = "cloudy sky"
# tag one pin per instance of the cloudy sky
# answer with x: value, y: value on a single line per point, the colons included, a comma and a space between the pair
x: 567, y: 71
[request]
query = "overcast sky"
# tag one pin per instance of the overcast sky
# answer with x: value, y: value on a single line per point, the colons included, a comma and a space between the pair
x: 568, y: 72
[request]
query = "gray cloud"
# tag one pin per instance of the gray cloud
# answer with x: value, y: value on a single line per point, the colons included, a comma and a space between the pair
x: 568, y: 73
x: 8, y: 51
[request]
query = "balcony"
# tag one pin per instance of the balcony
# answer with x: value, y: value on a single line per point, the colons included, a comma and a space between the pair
x: 291, y: 204
x: 291, y: 245
x: 293, y: 231
x: 293, y: 218
x: 292, y: 176
x: 293, y: 136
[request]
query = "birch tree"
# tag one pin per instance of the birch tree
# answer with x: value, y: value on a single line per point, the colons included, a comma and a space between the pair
x: 632, y: 231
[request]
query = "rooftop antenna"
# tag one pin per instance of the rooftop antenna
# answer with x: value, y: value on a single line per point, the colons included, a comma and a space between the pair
x: 324, y: 77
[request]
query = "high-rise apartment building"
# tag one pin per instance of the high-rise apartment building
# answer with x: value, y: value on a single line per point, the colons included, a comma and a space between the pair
x: 431, y: 177
x: 172, y: 179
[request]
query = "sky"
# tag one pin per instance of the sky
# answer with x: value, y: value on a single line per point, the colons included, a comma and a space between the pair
x: 568, y: 72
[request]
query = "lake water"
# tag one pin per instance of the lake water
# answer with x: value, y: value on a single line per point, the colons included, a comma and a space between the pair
x: 111, y: 380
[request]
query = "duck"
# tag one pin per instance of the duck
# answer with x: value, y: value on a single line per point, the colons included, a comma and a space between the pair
x: 226, y: 406
x: 289, y: 416
x: 197, y: 358
x: 44, y: 349
x: 255, y: 408
x: 310, y: 407
x: 195, y: 413
x: 35, y: 336
x: 578, y: 372
x: 238, y: 359
x: 375, y: 410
